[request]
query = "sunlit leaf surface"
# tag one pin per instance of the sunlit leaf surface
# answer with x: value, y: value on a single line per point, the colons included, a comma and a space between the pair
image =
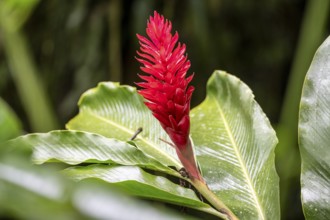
x: 137, y: 182
x: 97, y: 200
x: 30, y: 192
x: 75, y: 147
x: 235, y: 144
x: 314, y: 137
x: 116, y: 111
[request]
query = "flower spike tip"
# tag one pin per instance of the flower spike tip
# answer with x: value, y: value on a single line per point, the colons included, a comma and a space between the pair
x: 165, y: 87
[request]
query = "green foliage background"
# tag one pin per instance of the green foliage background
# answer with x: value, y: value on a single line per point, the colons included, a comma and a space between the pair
x: 52, y: 51
x: 72, y: 45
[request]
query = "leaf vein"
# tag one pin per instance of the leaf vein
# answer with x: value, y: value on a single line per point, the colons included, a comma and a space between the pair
x: 155, y: 148
x: 239, y: 157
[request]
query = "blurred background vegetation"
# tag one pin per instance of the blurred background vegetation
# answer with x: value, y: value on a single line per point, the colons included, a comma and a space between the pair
x: 52, y: 51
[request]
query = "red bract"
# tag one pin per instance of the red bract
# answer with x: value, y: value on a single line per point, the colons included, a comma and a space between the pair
x: 166, y: 85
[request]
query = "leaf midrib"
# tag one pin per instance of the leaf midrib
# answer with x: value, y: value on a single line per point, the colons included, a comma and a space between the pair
x: 239, y: 157
x: 151, y: 144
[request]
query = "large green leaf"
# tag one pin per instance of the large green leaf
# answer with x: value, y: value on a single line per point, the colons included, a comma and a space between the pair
x: 117, y: 112
x: 75, y: 147
x: 10, y: 126
x: 314, y: 136
x: 28, y: 192
x: 235, y: 145
x: 32, y: 192
x: 137, y: 182
x: 98, y: 200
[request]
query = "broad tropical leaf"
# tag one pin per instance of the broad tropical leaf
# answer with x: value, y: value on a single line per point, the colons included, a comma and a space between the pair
x: 30, y: 192
x: 98, y: 200
x: 235, y: 144
x: 314, y: 136
x: 116, y: 111
x: 75, y: 147
x: 137, y: 182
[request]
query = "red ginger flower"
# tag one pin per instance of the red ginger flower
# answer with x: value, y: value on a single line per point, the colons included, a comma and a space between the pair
x: 166, y: 86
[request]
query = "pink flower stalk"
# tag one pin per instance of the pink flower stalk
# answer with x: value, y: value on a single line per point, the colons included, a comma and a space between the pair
x: 166, y: 89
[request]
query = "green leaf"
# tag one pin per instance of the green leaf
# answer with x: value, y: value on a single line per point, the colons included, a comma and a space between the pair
x: 235, y: 144
x: 10, y: 126
x: 74, y: 147
x: 137, y: 182
x: 33, y: 192
x: 314, y: 136
x: 97, y: 200
x: 28, y: 192
x: 116, y: 111
x: 14, y: 13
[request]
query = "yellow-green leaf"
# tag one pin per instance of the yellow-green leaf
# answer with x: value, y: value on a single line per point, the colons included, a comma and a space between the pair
x: 117, y: 111
x: 235, y: 145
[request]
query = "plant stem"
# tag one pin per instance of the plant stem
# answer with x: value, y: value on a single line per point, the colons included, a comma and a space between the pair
x: 214, y: 212
x: 213, y: 199
x: 28, y: 83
